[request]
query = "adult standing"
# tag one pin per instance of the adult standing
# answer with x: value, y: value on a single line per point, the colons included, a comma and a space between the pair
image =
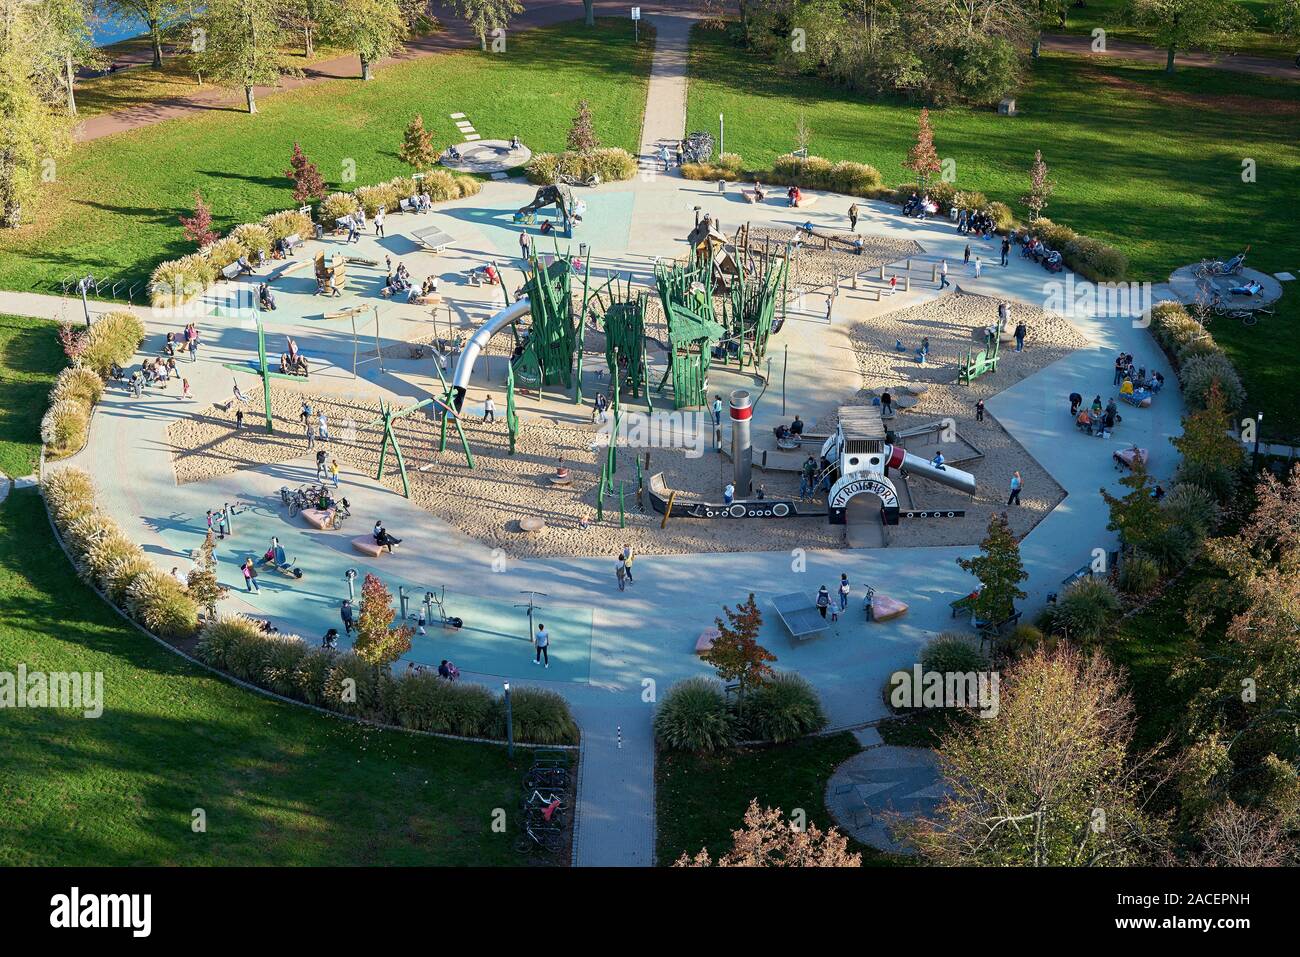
x: 542, y: 642
x: 523, y: 245
x: 823, y: 600
x: 886, y: 404
x: 1006, y: 250
x: 320, y: 465
x: 844, y: 591
x: 1014, y: 498
x: 489, y: 410
x: 349, y: 621
x: 717, y: 411
x: 943, y: 274
x: 1021, y: 331
x: 620, y: 572
x: 322, y: 427
x: 379, y: 222
x: 853, y: 218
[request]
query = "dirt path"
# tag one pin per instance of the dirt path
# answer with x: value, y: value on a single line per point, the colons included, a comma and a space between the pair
x: 454, y: 35
x: 1129, y: 50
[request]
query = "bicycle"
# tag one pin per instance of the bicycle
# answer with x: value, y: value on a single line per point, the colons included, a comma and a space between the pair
x: 546, y: 778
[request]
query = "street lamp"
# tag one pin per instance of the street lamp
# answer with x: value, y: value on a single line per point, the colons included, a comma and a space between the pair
x: 722, y: 137
x: 1259, y: 424
x: 510, y: 727
x: 86, y: 283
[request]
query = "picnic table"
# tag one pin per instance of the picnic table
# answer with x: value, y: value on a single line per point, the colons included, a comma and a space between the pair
x: 799, y: 614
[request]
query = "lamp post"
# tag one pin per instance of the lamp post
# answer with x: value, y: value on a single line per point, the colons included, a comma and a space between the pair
x: 510, y: 727
x: 1259, y: 424
x: 86, y: 283
x: 722, y: 136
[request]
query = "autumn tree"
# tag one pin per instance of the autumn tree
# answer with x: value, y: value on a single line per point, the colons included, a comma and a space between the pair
x: 1040, y: 187
x: 35, y: 123
x: 377, y: 642
x: 373, y: 29
x: 1236, y: 836
x: 242, y: 47
x: 768, y: 839
x: 66, y: 25
x: 1050, y: 780
x: 202, y: 582
x: 1211, y: 457
x: 417, y: 149
x: 1182, y: 25
x: 582, y: 133
x: 1136, y: 515
x: 999, y: 571
x: 157, y: 15
x: 736, y: 654
x: 485, y: 16
x: 922, y: 158
x: 198, y: 228
x: 308, y: 184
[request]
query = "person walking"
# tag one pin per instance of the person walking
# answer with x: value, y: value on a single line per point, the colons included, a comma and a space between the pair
x: 853, y: 218
x: 1014, y: 498
x: 304, y: 414
x: 979, y: 266
x: 250, y: 575
x: 979, y: 411
x: 321, y: 468
x: 728, y: 494
x: 379, y: 222
x: 334, y: 471
x: 1006, y: 250
x: 349, y: 622
x: 542, y: 641
x: 311, y: 436
x: 717, y: 411
x: 627, y: 562
x: 966, y: 255
x: 239, y: 419
x: 599, y: 405
x: 886, y: 404
x: 523, y: 245
x: 943, y: 274
x: 1021, y: 332
x: 1120, y: 365
x: 322, y: 427
x: 844, y: 591
x: 489, y: 410
x: 620, y: 572
x: 823, y: 600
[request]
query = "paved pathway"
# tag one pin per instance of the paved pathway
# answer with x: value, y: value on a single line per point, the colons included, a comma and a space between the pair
x: 1145, y: 53
x: 870, y: 788
x: 665, y: 109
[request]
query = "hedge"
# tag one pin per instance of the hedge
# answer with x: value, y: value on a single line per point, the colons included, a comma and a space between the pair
x: 611, y: 164
x: 113, y: 338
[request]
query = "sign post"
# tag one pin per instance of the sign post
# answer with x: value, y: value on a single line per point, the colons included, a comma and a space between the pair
x: 636, y: 24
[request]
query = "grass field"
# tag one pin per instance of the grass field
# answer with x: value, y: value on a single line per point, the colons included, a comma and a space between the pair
x: 114, y: 206
x: 1109, y: 16
x: 279, y: 784
x: 701, y: 799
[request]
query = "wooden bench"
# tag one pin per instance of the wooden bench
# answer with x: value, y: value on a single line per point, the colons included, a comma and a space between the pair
x: 292, y: 242
x: 323, y: 521
x: 231, y: 271
x: 366, y: 545
x: 991, y: 631
x: 963, y: 604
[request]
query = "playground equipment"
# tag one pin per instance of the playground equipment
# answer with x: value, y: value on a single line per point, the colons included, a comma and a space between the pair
x: 276, y: 560
x: 980, y: 363
x: 664, y: 501
x: 865, y: 458
x: 331, y: 275
x: 742, y: 412
x: 799, y: 614
x: 559, y: 195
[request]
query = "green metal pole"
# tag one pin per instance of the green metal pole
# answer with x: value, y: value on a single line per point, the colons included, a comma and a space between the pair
x: 261, y: 361
x: 622, y: 516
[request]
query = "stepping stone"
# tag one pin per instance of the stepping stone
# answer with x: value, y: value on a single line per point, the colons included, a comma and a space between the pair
x: 500, y: 176
x: 868, y: 737
x: 464, y: 124
x: 472, y: 137
x: 458, y: 116
x: 1284, y: 276
x: 531, y: 523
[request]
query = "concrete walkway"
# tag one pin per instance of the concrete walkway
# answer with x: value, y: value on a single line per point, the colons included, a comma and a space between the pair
x: 665, y: 108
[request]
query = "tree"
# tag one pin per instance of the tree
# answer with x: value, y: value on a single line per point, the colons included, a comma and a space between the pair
x: 35, y: 125
x: 485, y: 16
x: 1136, y: 515
x: 736, y: 654
x: 1211, y: 457
x: 308, y: 184
x: 202, y: 582
x: 242, y: 47
x: 417, y: 149
x: 769, y: 840
x: 999, y: 571
x: 1286, y: 19
x: 1049, y: 780
x: 309, y: 19
x: 377, y: 642
x: 198, y: 228
x: 582, y: 134
x: 156, y: 14
x: 1182, y: 25
x: 922, y: 158
x: 802, y: 133
x: 373, y: 28
x: 1053, y: 13
x: 66, y: 25
x: 1236, y: 836
x: 1040, y: 187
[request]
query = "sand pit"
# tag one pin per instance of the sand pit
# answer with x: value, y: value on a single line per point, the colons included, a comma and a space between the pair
x: 949, y: 322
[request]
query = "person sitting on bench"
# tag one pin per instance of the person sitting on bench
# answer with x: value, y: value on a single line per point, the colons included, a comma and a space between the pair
x: 793, y: 195
x: 383, y: 539
x: 264, y: 297
x: 299, y: 365
x: 244, y: 266
x: 284, y: 364
x: 423, y: 202
x: 759, y: 195
x: 796, y: 427
x: 515, y: 142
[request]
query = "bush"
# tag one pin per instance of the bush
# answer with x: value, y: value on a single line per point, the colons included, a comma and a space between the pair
x: 374, y: 198
x: 1179, y: 332
x: 1003, y: 219
x: 785, y: 708
x: 288, y: 222
x: 540, y: 716
x: 543, y: 169
x: 952, y: 652
x: 694, y: 717
x: 113, y: 337
x: 1192, y: 507
x: 64, y: 427
x: 426, y: 702
x: 103, y: 553
x: 174, y: 283
x: 311, y: 675
x: 161, y: 604
x: 1094, y: 260
x: 1024, y: 640
x: 226, y: 641
x: 440, y: 185
x: 281, y: 656
x: 69, y: 493
x: 122, y: 575
x: 224, y: 251
x: 352, y: 686
x: 468, y: 185
x: 335, y: 206
x: 77, y: 385
x: 1139, y: 575
x: 610, y: 164
x: 254, y: 237
x: 1088, y: 608
x: 404, y: 187
x: 1199, y: 372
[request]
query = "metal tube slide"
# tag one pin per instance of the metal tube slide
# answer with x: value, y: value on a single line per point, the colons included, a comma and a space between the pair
x: 909, y: 464
x: 465, y: 361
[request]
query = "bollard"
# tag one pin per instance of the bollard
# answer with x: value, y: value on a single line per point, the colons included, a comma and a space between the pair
x: 934, y: 273
x: 350, y: 576
x: 402, y: 599
x: 907, y: 283
x: 620, y: 737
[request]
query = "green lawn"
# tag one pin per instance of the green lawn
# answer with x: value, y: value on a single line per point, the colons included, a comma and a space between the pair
x: 701, y: 799
x: 279, y: 784
x: 1109, y: 16
x: 113, y: 208
x: 30, y: 355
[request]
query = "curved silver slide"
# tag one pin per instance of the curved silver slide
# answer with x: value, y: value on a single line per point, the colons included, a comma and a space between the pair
x: 903, y: 460
x: 465, y: 362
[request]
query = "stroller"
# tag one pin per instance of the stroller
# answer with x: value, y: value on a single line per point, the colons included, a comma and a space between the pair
x: 1052, y: 261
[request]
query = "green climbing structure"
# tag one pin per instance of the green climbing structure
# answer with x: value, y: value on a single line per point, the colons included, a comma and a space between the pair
x: 686, y: 292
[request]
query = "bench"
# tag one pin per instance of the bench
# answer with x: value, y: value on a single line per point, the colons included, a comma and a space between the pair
x: 366, y: 545
x: 292, y: 242
x: 320, y: 520
x: 232, y: 271
x: 805, y: 200
x: 963, y: 604
x: 884, y: 608
x: 751, y: 196
x: 1084, y: 571
x: 704, y: 643
x: 991, y: 631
